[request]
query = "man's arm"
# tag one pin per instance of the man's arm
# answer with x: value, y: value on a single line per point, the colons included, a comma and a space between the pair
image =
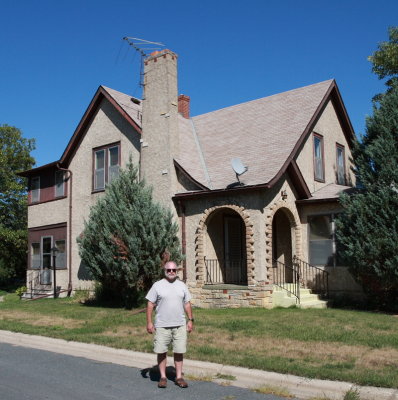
x: 149, y: 310
x: 188, y: 310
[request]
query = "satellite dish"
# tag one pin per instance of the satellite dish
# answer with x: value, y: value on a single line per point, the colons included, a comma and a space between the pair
x: 238, y: 167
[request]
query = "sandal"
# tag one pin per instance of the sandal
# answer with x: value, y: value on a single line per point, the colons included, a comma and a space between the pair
x: 162, y: 383
x: 181, y: 383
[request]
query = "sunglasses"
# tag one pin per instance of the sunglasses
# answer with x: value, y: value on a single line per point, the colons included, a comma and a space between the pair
x: 168, y: 270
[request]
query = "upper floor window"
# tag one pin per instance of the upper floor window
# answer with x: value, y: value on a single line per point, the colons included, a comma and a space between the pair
x: 319, y: 169
x: 106, y: 165
x: 340, y: 164
x: 59, y: 183
x: 35, y: 189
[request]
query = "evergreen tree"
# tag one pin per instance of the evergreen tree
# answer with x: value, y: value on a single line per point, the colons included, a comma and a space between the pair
x: 125, y: 236
x: 368, y: 229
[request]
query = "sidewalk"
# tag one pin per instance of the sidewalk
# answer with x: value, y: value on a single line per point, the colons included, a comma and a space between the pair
x: 303, y: 388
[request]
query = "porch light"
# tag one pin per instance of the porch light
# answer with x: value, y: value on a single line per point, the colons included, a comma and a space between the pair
x: 54, y: 252
x: 284, y: 194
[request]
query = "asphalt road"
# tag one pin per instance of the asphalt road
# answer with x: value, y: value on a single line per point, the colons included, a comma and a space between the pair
x: 30, y: 374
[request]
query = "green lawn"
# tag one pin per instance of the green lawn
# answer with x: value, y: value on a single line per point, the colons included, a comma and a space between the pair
x: 360, y: 347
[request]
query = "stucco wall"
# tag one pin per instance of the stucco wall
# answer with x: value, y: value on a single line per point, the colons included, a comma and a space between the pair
x: 107, y: 126
x: 329, y: 127
x: 52, y: 212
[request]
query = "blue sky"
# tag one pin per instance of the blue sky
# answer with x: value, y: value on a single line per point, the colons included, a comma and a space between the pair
x: 55, y: 54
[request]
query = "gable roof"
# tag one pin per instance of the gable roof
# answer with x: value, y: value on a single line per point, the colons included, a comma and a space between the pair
x: 129, y: 108
x: 265, y: 134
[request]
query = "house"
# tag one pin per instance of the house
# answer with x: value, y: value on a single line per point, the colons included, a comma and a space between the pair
x: 253, y: 236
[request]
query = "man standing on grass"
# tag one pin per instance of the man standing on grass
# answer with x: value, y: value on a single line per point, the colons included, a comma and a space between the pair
x: 172, y: 300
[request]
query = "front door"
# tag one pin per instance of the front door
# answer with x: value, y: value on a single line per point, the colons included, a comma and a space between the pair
x: 235, y: 265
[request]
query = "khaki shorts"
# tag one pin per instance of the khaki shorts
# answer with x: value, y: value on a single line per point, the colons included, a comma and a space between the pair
x: 177, y: 335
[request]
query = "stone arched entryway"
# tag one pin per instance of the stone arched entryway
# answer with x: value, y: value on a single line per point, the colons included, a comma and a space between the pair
x: 282, y: 243
x: 283, y: 239
x: 224, y: 247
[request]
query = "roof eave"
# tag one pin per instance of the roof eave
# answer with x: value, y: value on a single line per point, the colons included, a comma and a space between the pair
x: 227, y: 191
x: 33, y: 171
x: 188, y: 176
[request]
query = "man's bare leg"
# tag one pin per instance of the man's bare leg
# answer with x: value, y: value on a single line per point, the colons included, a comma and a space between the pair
x: 178, y: 360
x: 162, y: 363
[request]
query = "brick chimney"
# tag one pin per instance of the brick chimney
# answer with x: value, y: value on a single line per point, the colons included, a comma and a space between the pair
x: 160, y: 140
x: 183, y: 105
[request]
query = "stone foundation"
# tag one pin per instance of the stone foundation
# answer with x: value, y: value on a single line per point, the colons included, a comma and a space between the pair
x: 231, y: 296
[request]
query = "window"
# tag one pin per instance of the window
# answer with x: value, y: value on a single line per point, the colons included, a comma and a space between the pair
x: 319, y: 173
x: 46, y: 245
x: 59, y: 183
x: 340, y: 164
x: 106, y: 166
x: 35, y: 256
x: 35, y: 189
x: 60, y: 261
x: 113, y: 163
x: 322, y: 240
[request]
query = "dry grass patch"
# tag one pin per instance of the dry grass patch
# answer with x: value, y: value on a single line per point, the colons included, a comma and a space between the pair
x: 125, y: 331
x: 313, y: 353
x: 40, y: 320
x: 379, y: 359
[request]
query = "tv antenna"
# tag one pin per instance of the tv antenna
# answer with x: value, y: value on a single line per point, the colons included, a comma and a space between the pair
x: 239, y: 168
x: 142, y: 46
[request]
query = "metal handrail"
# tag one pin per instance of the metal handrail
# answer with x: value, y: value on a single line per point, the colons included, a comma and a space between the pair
x: 279, y: 274
x: 219, y: 271
x: 312, y: 277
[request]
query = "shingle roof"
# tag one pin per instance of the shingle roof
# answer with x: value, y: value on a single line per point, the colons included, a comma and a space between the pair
x: 262, y: 133
x: 331, y: 191
x: 132, y: 108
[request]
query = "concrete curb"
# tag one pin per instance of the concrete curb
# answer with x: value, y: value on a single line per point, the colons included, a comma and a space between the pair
x: 303, y: 388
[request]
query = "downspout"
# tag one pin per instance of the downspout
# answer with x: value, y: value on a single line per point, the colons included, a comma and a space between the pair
x: 69, y: 227
x: 183, y: 241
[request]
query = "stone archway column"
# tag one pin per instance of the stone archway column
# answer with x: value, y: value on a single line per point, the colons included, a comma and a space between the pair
x: 292, y: 215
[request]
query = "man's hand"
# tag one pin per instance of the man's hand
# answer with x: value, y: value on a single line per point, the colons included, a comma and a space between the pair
x: 190, y: 326
x: 150, y: 328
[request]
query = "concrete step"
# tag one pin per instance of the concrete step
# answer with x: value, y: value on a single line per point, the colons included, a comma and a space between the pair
x: 282, y: 298
x: 314, y: 304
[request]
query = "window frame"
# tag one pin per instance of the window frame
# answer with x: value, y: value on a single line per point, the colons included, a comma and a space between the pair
x: 58, y: 256
x: 57, y: 184
x: 32, y: 255
x: 342, y: 148
x: 317, y: 136
x: 107, y: 167
x: 42, y: 250
x: 335, y: 256
x: 32, y: 191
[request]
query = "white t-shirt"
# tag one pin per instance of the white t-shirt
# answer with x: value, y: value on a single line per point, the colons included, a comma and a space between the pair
x: 169, y: 298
